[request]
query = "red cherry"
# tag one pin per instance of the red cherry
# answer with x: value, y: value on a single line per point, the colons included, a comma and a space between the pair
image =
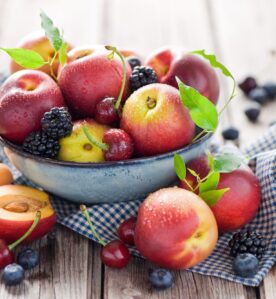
x: 115, y: 254
x: 6, y: 255
x: 120, y: 145
x: 105, y: 112
x: 126, y: 230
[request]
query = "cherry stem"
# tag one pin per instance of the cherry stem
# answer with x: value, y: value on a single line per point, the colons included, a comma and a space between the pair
x: 110, y: 56
x: 189, y: 185
x: 84, y: 210
x: 51, y: 66
x: 89, y: 136
x: 28, y: 232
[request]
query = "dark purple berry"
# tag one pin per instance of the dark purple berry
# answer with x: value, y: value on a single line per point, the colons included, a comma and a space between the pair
x: 248, y: 84
x: 230, y: 133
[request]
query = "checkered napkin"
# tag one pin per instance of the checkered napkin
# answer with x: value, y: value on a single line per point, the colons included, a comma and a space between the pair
x: 107, y: 217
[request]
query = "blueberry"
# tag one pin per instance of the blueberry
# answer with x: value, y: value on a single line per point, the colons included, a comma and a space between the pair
x: 248, y: 84
x: 13, y: 274
x: 259, y: 95
x: 133, y: 61
x: 230, y: 133
x: 28, y: 258
x: 270, y: 88
x: 245, y: 265
x: 253, y: 113
x: 160, y: 279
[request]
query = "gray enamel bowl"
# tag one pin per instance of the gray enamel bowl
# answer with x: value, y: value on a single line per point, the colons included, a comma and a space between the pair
x: 102, y: 182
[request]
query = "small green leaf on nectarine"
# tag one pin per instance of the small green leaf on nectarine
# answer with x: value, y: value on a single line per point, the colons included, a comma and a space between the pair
x: 180, y: 167
x: 213, y: 196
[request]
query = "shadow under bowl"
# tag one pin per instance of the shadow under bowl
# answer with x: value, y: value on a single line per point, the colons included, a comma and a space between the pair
x: 102, y: 182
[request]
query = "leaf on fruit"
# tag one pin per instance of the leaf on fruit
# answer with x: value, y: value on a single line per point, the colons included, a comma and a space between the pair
x: 227, y: 162
x: 63, y: 53
x: 179, y: 166
x: 213, y: 196
x: 51, y: 31
x: 210, y: 183
x: 216, y: 64
x: 193, y: 173
x: 26, y: 58
x: 211, y: 161
x: 202, y: 111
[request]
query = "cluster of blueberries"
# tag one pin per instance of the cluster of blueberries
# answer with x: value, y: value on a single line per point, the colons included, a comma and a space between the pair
x: 259, y: 96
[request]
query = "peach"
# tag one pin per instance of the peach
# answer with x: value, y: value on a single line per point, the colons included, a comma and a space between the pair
x: 175, y: 229
x: 18, y: 206
x: 240, y: 204
x: 88, y: 77
x: 24, y: 98
x: 77, y: 147
x: 38, y: 42
x: 156, y: 119
x: 190, y: 68
x: 6, y: 177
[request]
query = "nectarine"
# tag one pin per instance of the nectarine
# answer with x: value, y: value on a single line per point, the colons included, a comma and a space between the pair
x: 18, y: 206
x: 175, y: 229
x: 6, y: 177
x: 156, y: 119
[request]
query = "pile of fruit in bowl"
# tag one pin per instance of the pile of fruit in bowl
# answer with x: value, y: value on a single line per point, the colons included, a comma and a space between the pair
x: 101, y: 124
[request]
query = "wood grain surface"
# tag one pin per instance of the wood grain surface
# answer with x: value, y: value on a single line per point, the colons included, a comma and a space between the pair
x: 241, y: 33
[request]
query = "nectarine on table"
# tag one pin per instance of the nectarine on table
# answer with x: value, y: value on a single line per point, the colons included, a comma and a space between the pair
x: 240, y: 204
x: 175, y: 229
x: 18, y: 207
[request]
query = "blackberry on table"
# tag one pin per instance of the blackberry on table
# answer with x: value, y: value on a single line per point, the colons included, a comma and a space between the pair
x: 247, y: 242
x: 40, y: 144
x: 57, y: 123
x: 133, y: 61
x: 141, y: 76
x: 248, y: 84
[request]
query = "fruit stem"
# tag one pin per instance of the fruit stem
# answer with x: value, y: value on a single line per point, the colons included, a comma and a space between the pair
x: 110, y: 56
x: 89, y: 136
x: 51, y: 66
x: 189, y: 185
x: 84, y: 210
x: 28, y: 232
x: 199, y: 135
x: 230, y: 98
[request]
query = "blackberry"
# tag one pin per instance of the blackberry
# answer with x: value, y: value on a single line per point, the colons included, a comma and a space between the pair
x: 40, y: 144
x: 141, y: 76
x: 57, y: 123
x: 247, y: 242
x: 133, y: 61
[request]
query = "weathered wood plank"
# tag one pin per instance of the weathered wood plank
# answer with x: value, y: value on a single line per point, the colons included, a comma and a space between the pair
x: 69, y: 268
x: 246, y: 33
x: 268, y: 288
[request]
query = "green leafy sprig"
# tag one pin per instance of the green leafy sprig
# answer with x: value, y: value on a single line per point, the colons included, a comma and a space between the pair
x: 207, y: 187
x: 56, y: 39
x: 202, y: 111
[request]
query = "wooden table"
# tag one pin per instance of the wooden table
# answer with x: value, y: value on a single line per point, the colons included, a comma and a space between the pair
x: 241, y: 33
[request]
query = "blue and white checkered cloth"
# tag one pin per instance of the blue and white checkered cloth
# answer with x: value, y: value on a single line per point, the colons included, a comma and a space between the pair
x: 107, y: 217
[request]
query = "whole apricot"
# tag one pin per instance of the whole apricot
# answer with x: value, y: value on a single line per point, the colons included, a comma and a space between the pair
x: 6, y: 177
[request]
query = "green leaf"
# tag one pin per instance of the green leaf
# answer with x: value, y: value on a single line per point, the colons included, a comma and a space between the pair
x: 63, y: 53
x: 227, y: 162
x: 26, y: 58
x: 202, y: 111
x: 211, y: 161
x: 213, y: 196
x: 51, y: 31
x: 210, y: 183
x: 180, y: 167
x: 193, y: 173
x: 216, y: 64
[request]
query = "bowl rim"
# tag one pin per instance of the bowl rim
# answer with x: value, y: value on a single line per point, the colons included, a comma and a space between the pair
x: 17, y: 149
